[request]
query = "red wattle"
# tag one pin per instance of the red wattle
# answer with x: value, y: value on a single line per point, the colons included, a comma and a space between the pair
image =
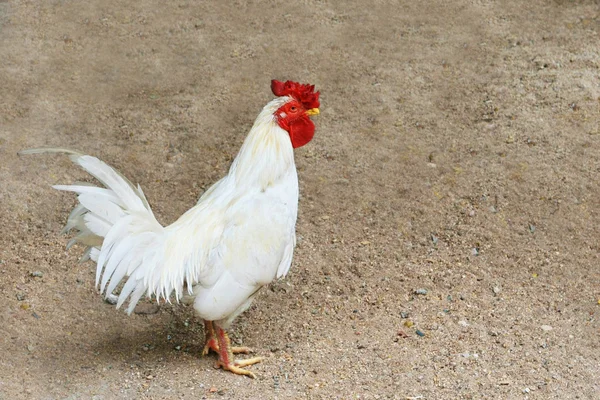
x: 301, y: 132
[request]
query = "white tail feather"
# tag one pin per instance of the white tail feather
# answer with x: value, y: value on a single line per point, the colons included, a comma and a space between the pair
x: 122, y: 235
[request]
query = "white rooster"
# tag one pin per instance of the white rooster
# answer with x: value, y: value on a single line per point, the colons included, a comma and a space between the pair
x: 239, y: 237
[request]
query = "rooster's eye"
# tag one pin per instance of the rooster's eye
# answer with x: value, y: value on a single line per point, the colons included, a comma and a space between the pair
x: 293, y: 109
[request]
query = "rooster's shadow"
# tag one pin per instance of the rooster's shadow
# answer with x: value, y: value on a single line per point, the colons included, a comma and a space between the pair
x: 171, y: 333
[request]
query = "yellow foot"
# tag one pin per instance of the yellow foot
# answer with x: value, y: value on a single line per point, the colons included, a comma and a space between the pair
x: 237, y: 366
x: 248, y: 361
x: 236, y: 370
x: 211, y: 342
x: 241, y: 350
x: 212, y: 346
x: 226, y: 352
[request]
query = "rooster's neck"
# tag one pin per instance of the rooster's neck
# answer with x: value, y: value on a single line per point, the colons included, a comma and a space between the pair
x: 267, y: 155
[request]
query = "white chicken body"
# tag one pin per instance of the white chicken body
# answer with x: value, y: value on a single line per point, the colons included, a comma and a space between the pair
x: 236, y: 239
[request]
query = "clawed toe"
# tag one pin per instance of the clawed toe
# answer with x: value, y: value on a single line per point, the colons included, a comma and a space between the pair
x: 235, y: 369
x: 249, y: 361
x: 241, y: 350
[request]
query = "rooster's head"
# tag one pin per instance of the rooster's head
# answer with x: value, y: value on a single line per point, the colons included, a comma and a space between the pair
x: 293, y: 116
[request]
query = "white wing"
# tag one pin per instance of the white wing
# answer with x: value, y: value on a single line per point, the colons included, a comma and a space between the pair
x: 257, y: 241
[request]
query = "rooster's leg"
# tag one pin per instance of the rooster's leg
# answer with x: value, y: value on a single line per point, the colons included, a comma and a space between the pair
x: 211, y: 339
x: 226, y: 360
x: 212, y: 343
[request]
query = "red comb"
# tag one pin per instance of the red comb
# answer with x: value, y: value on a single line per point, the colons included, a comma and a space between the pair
x: 305, y: 94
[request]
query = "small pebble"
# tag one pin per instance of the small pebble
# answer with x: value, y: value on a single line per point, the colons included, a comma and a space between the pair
x: 463, y: 323
x: 421, y: 291
x: 404, y: 314
x: 20, y: 296
x: 420, y: 333
x: 546, y: 328
x: 37, y: 274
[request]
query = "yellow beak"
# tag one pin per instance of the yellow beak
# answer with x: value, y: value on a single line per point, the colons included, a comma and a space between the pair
x: 313, y: 111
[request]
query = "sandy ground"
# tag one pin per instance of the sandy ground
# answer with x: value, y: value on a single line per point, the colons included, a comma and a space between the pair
x: 450, y: 201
